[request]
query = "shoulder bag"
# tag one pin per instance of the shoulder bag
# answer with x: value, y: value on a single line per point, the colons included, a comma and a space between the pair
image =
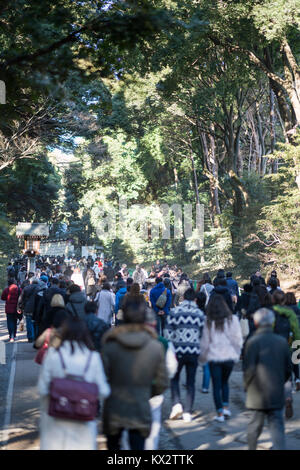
x: 162, y: 300
x: 71, y: 397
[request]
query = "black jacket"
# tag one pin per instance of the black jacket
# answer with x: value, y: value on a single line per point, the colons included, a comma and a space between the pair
x: 267, y: 366
x: 55, y: 317
x: 242, y: 303
x: 75, y: 305
x: 97, y: 328
x: 224, y: 291
x: 27, y: 298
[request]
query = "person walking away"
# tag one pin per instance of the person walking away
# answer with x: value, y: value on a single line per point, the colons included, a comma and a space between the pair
x: 242, y: 304
x: 49, y: 293
x: 206, y: 286
x: 76, y: 302
x: 22, y: 275
x: 134, y: 296
x: 221, y: 346
x: 11, y: 295
x: 57, y: 309
x: 139, y: 276
x: 10, y: 270
x: 156, y: 401
x: 233, y: 288
x: 74, y: 357
x: 118, y: 282
x: 90, y: 282
x: 118, y: 302
x: 105, y: 301
x: 184, y: 330
x: 266, y: 368
x: 26, y: 305
x: 134, y: 362
x: 221, y: 288
x: 39, y: 306
x: 57, y: 317
x: 183, y: 285
x: 291, y: 302
x: 169, y: 285
x: 96, y: 326
x: 201, y: 301
x: 286, y: 325
x: 160, y: 299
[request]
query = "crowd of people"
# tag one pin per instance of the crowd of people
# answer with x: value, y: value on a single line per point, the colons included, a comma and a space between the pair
x: 132, y: 332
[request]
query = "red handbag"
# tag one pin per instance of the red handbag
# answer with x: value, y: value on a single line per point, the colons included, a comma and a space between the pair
x: 43, y: 349
x: 72, y: 397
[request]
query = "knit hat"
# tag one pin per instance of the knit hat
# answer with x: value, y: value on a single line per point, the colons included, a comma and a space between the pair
x: 44, y: 278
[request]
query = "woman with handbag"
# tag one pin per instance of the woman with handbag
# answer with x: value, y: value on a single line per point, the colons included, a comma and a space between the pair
x: 63, y: 423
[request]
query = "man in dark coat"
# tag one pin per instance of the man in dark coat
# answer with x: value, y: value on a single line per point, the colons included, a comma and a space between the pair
x: 267, y: 367
x: 96, y: 326
x: 221, y: 288
x: 76, y: 302
x: 26, y: 305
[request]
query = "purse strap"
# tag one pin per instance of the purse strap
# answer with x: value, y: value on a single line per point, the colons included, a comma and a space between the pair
x: 86, y: 366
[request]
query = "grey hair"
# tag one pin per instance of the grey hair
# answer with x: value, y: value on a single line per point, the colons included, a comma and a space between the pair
x: 34, y: 280
x: 264, y: 317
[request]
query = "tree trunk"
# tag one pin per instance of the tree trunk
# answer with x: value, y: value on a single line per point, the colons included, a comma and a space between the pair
x: 211, y: 166
x: 274, y: 166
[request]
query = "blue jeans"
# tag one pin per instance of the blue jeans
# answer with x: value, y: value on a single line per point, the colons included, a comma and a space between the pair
x: 206, y: 377
x: 30, y: 328
x: 220, y: 373
x: 12, y: 319
x: 160, y: 324
x: 190, y: 362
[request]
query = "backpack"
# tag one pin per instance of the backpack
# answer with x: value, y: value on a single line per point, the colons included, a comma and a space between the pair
x: 282, y: 326
x: 11, y: 271
x: 162, y: 300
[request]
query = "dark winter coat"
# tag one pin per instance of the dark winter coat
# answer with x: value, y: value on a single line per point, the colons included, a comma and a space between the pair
x: 243, y: 303
x: 267, y: 366
x: 233, y: 286
x: 224, y: 291
x: 97, y: 328
x: 27, y: 299
x: 55, y: 316
x: 134, y: 362
x: 47, y: 297
x: 75, y: 305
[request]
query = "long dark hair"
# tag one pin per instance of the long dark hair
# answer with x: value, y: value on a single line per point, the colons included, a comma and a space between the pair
x: 217, y: 311
x: 76, y: 330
